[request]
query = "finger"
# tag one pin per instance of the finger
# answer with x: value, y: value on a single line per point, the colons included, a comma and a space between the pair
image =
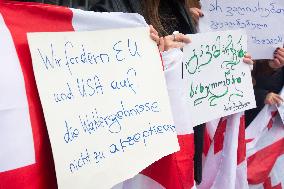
x: 199, y: 12
x: 153, y: 30
x: 181, y: 38
x: 248, y: 61
x: 162, y: 45
x: 247, y: 55
x: 276, y: 63
x: 281, y: 49
x: 278, y: 97
x: 278, y: 101
x: 268, y: 101
x: 178, y: 45
x: 281, y: 53
x: 280, y: 58
x: 155, y: 38
x: 186, y: 39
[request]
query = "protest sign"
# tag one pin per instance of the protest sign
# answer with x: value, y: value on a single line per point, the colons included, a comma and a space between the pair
x: 262, y: 20
x: 105, y: 104
x: 218, y: 82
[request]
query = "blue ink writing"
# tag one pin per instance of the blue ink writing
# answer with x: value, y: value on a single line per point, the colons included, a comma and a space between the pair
x: 71, y: 134
x: 125, y: 83
x: 90, y: 86
x: 68, y: 95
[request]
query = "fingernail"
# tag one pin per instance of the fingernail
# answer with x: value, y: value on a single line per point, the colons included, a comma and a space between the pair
x: 277, y: 48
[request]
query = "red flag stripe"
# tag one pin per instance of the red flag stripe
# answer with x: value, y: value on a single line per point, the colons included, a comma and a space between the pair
x: 261, y: 163
x: 270, y: 123
x: 219, y: 136
x: 207, y: 142
x: 20, y: 19
x: 241, y: 153
x: 175, y: 171
x: 267, y: 185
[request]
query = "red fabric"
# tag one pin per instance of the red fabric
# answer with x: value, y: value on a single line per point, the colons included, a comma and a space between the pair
x: 261, y: 163
x: 175, y: 171
x: 219, y: 135
x: 207, y: 142
x: 20, y: 18
x: 267, y: 185
x: 270, y: 123
x: 241, y: 142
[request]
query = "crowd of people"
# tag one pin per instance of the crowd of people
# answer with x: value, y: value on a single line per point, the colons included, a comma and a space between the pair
x: 165, y: 17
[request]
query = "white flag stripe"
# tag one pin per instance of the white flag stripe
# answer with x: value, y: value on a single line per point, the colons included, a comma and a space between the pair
x: 227, y: 174
x: 16, y: 140
x: 221, y: 169
x: 277, y: 174
x: 90, y: 21
x: 259, y: 125
x: 268, y: 137
x: 139, y: 182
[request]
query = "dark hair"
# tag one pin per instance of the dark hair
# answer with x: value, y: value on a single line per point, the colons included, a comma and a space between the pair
x: 151, y: 13
x: 150, y: 9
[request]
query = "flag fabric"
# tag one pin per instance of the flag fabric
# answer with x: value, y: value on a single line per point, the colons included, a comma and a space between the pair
x: 260, y: 153
x: 225, y: 161
x: 265, y: 150
x: 25, y: 141
x: 25, y: 155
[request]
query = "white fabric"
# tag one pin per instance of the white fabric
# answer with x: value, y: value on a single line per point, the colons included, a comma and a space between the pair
x: 258, y: 131
x: 90, y: 21
x: 263, y: 137
x: 221, y: 169
x: 211, y: 127
x: 139, y: 182
x: 16, y: 141
x: 173, y: 72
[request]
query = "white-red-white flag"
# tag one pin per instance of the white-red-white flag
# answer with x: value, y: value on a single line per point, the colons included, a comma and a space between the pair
x: 225, y: 161
x: 23, y: 134
x: 265, y: 150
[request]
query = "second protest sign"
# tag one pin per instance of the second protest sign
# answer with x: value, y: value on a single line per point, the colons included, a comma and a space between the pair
x: 218, y: 82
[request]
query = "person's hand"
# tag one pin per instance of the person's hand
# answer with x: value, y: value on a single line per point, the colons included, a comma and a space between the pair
x: 248, y: 59
x: 154, y: 35
x: 178, y: 40
x: 273, y: 99
x: 196, y: 14
x: 278, y: 61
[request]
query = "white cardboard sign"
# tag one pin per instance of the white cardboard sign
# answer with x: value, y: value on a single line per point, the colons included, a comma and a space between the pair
x: 218, y: 82
x: 262, y: 19
x: 105, y: 104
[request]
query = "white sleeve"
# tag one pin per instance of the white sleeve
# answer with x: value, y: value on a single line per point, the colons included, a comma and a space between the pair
x: 177, y: 91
